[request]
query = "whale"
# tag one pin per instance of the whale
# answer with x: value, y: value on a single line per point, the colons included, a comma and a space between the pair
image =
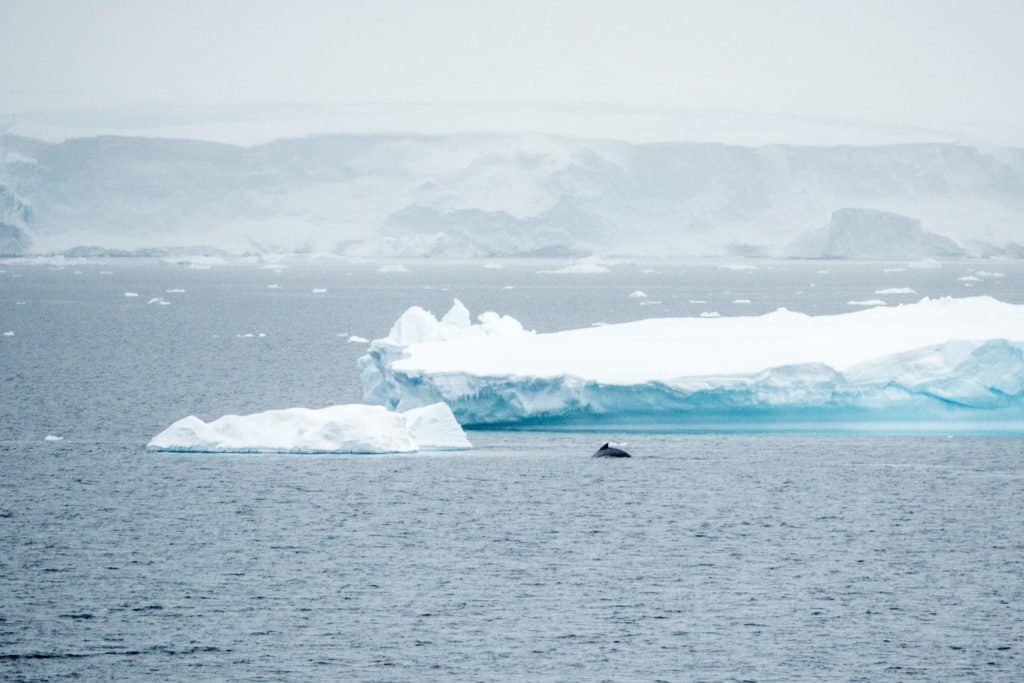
x: 609, y: 451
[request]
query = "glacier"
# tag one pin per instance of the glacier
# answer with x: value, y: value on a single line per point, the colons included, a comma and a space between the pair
x: 351, y: 428
x: 505, y: 195
x: 936, y: 365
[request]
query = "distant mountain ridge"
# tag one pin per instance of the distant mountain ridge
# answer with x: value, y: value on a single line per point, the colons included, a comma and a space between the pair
x: 482, y: 195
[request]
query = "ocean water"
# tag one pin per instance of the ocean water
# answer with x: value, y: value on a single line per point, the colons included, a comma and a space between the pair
x: 705, y: 557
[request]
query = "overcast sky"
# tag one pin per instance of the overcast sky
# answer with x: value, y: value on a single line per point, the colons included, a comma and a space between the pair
x: 943, y: 65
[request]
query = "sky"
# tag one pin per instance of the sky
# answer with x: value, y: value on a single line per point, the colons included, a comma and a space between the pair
x: 950, y: 67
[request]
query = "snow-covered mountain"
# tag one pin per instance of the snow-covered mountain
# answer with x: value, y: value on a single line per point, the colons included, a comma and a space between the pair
x: 478, y: 195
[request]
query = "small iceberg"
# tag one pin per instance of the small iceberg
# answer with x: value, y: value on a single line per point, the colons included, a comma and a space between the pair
x: 351, y: 428
x: 638, y: 294
x: 51, y: 437
x: 131, y: 295
x: 585, y: 267
x: 319, y: 290
x: 896, y: 290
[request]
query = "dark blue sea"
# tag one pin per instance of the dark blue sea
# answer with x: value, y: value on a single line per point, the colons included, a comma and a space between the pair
x: 746, y: 557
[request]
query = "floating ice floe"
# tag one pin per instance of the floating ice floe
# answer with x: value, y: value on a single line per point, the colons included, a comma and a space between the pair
x: 988, y: 273
x: 896, y: 290
x: 894, y: 270
x: 131, y: 294
x: 937, y: 362
x: 274, y: 286
x: 196, y: 262
x: 158, y: 300
x: 969, y: 278
x: 393, y: 268
x: 51, y: 437
x: 710, y: 314
x: 335, y: 429
x: 737, y: 266
x: 581, y: 268
x: 9, y: 333
x: 174, y: 291
x: 650, y: 302
x: 741, y: 301
x: 866, y: 302
x: 356, y: 339
x: 638, y: 294
x: 319, y: 290
x: 494, y: 266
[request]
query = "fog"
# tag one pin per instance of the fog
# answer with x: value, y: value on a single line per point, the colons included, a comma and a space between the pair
x: 944, y: 70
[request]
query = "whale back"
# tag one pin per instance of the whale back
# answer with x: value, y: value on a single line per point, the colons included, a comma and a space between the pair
x: 609, y: 451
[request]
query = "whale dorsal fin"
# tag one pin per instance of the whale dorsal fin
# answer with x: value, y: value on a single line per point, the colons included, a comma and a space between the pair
x: 606, y: 445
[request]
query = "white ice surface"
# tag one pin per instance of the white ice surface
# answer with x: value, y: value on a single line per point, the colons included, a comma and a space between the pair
x: 667, y: 348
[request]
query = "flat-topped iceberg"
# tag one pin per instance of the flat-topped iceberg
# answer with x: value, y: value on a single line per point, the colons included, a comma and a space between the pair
x: 334, y: 429
x: 936, y: 361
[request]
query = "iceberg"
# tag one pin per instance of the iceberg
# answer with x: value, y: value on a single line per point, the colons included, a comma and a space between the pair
x: 577, y: 269
x: 927, y: 366
x: 858, y: 233
x: 351, y: 428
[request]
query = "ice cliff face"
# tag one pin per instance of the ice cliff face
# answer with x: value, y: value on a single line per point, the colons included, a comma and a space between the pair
x: 494, y: 194
x: 874, y: 235
x: 15, y: 217
x: 930, y: 365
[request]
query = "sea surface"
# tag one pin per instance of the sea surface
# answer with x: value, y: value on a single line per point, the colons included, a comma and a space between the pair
x: 767, y: 557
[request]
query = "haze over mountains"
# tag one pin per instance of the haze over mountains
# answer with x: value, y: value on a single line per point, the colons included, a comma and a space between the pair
x: 506, y: 194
